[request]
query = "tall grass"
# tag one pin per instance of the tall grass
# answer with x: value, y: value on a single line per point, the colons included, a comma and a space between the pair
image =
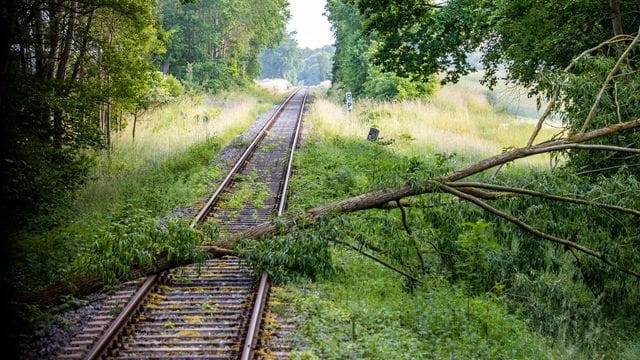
x: 167, y: 167
x: 457, y: 119
x: 164, y: 134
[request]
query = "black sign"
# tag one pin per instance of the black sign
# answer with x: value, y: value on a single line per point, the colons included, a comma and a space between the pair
x: 373, y: 134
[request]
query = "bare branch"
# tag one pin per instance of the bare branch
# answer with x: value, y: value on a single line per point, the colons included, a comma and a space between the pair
x: 593, y: 147
x: 404, y: 217
x: 613, y: 71
x: 556, y: 93
x: 607, y: 168
x: 545, y: 147
x: 466, y: 185
x: 615, y: 99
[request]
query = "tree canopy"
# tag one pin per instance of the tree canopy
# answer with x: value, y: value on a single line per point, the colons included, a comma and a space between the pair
x: 215, y: 44
x: 354, y: 69
x: 562, y: 51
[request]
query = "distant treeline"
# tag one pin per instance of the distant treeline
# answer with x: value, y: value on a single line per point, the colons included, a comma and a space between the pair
x: 298, y: 65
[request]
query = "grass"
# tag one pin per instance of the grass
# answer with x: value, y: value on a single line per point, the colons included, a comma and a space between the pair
x: 364, y: 312
x: 509, y: 97
x: 351, y: 307
x: 120, y: 217
x: 458, y: 119
x: 275, y: 86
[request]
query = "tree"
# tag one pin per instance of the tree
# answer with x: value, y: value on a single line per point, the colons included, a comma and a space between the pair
x: 282, y: 62
x: 537, y: 42
x: 317, y: 65
x: 72, y: 69
x: 451, y: 182
x: 304, y: 66
x: 353, y: 68
x: 220, y: 39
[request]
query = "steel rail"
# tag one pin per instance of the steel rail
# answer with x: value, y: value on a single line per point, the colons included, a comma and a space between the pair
x: 283, y: 193
x: 107, y: 338
x: 227, y: 180
x: 263, y: 289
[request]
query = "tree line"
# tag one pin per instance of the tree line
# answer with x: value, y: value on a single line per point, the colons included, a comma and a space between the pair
x: 297, y: 65
x: 354, y: 68
x: 75, y: 72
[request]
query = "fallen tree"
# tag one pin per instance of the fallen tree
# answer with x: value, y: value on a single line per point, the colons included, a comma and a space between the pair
x: 449, y: 183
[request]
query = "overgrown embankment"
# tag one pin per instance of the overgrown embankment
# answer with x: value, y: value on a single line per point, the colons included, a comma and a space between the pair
x: 132, y: 207
x: 487, y: 289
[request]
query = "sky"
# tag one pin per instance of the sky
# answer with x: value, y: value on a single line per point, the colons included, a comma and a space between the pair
x: 313, y: 28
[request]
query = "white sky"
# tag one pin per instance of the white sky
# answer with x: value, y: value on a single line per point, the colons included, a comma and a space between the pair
x: 313, y: 28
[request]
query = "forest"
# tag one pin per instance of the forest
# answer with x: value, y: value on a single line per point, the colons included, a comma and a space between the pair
x: 467, y: 230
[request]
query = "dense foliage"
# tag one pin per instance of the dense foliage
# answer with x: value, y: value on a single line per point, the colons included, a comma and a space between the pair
x: 536, y: 41
x: 282, y: 62
x: 215, y: 44
x: 317, y: 65
x: 353, y: 69
x: 577, y: 302
x: 73, y: 70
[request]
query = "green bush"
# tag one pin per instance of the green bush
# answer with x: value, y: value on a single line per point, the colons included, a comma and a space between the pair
x: 584, y: 308
x: 387, y: 86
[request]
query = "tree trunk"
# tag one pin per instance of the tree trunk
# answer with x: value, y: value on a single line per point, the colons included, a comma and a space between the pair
x: 616, y: 19
x: 107, y: 130
x: 135, y: 121
x: 101, y: 121
x: 373, y: 199
x: 54, y: 37
x: 83, y: 47
x: 39, y: 44
x: 66, y: 50
x: 89, y: 283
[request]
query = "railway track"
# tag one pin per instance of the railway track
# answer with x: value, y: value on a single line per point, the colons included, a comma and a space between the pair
x: 212, y: 310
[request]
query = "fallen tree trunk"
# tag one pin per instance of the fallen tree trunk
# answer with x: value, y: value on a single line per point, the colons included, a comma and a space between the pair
x: 373, y: 199
x: 378, y: 198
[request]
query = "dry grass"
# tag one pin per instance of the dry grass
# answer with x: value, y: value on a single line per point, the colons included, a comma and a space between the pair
x: 175, y: 127
x: 456, y: 120
x: 163, y: 135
